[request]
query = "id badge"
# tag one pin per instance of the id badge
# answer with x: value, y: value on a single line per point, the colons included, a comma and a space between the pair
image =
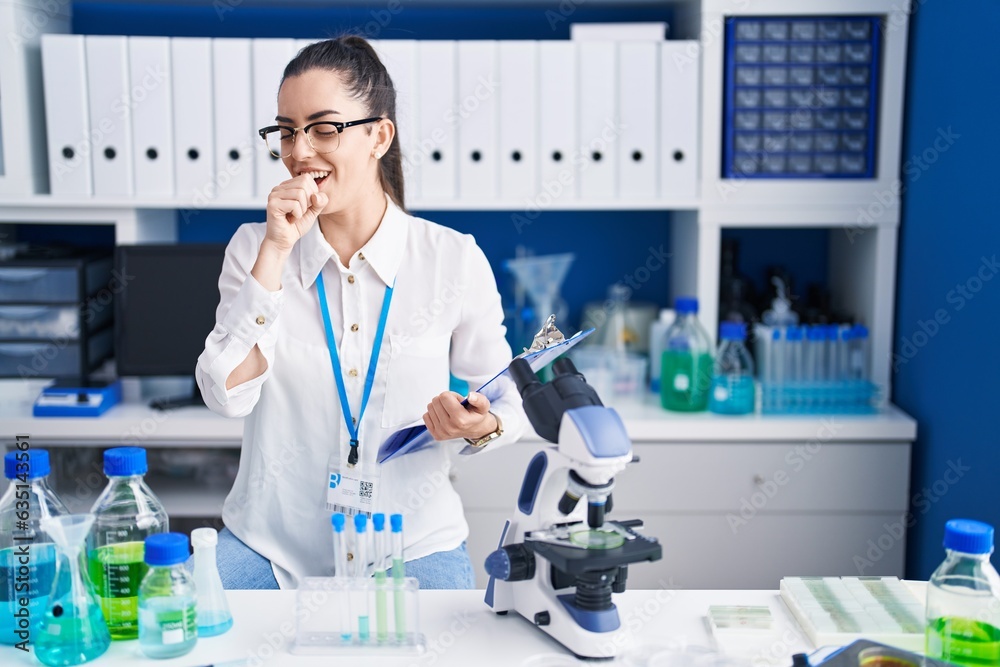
x: 351, y: 490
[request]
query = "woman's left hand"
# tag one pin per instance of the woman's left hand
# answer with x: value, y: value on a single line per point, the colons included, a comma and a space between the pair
x: 446, y: 418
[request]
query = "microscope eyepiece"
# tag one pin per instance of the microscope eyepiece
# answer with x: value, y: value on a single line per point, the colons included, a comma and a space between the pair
x: 523, y: 376
x: 564, y: 366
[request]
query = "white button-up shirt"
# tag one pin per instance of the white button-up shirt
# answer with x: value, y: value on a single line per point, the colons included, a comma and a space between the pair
x: 445, y: 317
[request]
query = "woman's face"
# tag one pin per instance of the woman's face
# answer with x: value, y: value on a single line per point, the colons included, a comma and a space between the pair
x: 318, y: 95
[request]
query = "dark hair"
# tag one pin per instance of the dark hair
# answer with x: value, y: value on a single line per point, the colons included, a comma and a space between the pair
x: 368, y: 81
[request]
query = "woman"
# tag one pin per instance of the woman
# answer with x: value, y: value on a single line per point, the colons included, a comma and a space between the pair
x: 405, y: 301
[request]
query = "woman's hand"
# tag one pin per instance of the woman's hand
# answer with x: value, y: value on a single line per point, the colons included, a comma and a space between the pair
x: 292, y: 209
x: 446, y: 418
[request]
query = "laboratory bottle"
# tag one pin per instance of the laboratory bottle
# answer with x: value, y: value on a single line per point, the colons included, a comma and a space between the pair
x: 126, y: 513
x: 732, y: 374
x: 780, y: 314
x: 963, y: 598
x: 686, y: 361
x: 168, y: 599
x: 26, y: 502
x: 657, y: 337
x: 214, y: 616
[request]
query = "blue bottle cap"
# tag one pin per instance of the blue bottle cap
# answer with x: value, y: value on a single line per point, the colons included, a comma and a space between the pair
x: 396, y: 521
x: 685, y: 305
x: 167, y: 549
x: 125, y: 462
x: 794, y: 333
x: 37, y: 462
x: 338, y: 522
x: 360, y: 522
x: 859, y: 331
x: 776, y: 334
x: 733, y: 331
x: 968, y: 536
x: 378, y: 522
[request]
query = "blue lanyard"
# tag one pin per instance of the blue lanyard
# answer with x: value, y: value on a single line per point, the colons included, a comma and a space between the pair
x: 338, y: 373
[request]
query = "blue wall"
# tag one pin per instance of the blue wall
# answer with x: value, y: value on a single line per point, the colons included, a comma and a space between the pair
x: 946, y: 371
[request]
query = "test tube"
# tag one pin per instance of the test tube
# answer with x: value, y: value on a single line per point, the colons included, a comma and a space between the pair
x: 398, y: 574
x: 859, y: 352
x: 793, y: 354
x: 361, y: 573
x: 813, y: 354
x: 844, y: 352
x: 381, y: 619
x: 776, y: 358
x: 340, y: 571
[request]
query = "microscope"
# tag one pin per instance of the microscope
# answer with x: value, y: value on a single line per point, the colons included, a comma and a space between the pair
x: 559, y: 561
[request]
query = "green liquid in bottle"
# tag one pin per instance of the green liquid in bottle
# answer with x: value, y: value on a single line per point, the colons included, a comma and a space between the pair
x: 685, y: 380
x: 963, y: 641
x: 117, y: 570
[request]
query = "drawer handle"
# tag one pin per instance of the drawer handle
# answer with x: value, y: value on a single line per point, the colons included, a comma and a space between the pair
x: 758, y: 479
x: 22, y: 275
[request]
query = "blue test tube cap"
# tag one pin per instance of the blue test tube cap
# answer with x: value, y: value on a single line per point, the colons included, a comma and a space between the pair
x: 860, y: 331
x: 360, y: 522
x: 396, y: 520
x: 816, y: 332
x: 36, y: 462
x: 338, y: 520
x: 378, y: 522
x: 794, y: 333
x: 776, y: 334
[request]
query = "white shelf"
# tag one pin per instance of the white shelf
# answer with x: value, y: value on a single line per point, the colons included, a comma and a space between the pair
x: 180, y: 497
x: 646, y: 421
x: 86, y: 209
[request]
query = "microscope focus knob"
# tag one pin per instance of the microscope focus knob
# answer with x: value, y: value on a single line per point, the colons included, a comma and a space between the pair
x: 511, y: 563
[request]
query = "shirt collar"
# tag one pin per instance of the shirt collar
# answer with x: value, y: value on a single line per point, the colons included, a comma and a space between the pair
x: 384, y: 250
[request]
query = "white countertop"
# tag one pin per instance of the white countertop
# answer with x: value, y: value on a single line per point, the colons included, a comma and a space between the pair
x: 134, y: 422
x: 461, y: 630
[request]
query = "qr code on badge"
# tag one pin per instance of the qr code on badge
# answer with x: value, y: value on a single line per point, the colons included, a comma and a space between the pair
x: 366, y: 490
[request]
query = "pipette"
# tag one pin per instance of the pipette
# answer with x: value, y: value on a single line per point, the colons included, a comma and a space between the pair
x: 381, y: 620
x: 340, y: 571
x: 398, y: 574
x: 361, y: 572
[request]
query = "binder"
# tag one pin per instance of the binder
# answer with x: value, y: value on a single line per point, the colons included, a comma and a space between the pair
x: 269, y: 57
x: 67, y: 114
x: 436, y: 159
x: 680, y: 119
x: 194, y: 149
x: 234, y: 131
x: 600, y: 126
x: 478, y: 93
x: 518, y: 120
x: 557, y: 121
x: 400, y: 59
x: 639, y: 146
x: 110, y: 114
x: 152, y: 124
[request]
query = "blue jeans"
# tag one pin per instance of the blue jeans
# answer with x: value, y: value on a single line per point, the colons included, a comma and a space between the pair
x: 242, y: 568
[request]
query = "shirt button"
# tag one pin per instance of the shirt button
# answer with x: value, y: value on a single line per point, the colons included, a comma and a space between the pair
x: 361, y: 256
x: 354, y: 327
x: 350, y: 556
x: 353, y: 372
x: 260, y: 319
x: 350, y: 279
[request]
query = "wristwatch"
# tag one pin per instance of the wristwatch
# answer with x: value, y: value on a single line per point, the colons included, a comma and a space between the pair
x: 489, y: 437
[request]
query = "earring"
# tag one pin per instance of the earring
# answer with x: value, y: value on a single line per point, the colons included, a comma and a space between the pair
x: 378, y: 156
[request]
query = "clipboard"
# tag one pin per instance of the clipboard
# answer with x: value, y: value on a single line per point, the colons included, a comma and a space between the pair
x: 415, y: 437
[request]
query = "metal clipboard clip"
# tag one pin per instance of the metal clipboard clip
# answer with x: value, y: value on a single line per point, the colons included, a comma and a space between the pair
x: 548, y: 336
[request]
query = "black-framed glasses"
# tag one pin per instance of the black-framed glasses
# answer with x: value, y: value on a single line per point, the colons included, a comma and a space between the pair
x: 323, y: 135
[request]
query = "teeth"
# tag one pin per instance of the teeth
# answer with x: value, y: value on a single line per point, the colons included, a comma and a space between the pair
x: 317, y: 174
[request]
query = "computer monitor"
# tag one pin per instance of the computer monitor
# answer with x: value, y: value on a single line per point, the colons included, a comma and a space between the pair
x: 165, y: 310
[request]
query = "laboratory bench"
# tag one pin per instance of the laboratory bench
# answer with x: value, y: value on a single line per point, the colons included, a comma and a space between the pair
x: 738, y: 502
x: 461, y: 630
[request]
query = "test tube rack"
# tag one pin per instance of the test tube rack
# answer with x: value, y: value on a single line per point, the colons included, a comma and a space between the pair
x: 327, y: 619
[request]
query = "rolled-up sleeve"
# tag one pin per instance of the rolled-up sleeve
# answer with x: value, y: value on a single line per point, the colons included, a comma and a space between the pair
x: 479, y: 348
x: 248, y: 315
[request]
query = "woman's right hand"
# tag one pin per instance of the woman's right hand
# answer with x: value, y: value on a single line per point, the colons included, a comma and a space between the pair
x: 292, y: 209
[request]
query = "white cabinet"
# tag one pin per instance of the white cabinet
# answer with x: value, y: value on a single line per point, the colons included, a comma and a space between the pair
x: 733, y: 514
